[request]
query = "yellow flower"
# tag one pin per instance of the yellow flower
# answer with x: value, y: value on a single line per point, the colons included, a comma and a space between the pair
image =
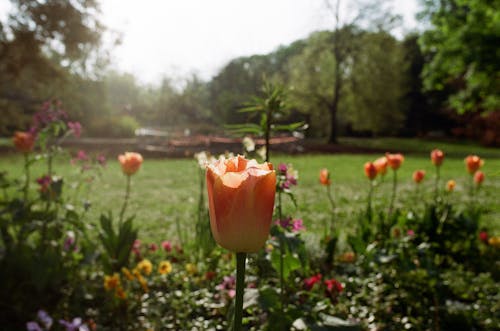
x: 165, y: 268
x: 191, y: 269
x: 127, y: 273
x: 144, y: 284
x: 120, y: 293
x: 494, y: 241
x: 145, y: 267
x: 111, y: 282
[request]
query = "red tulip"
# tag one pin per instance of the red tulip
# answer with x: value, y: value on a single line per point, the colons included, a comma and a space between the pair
x: 394, y: 160
x: 473, y: 163
x: 478, y: 177
x: 381, y: 165
x: 324, y: 177
x: 370, y: 170
x: 437, y: 157
x: 241, y: 200
x: 130, y: 162
x: 24, y: 141
x: 418, y: 176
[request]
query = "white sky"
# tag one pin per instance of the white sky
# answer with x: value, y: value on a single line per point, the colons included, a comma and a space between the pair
x: 179, y: 37
x: 176, y: 38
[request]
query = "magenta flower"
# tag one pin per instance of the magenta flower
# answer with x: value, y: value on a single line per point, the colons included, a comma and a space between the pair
x: 101, y: 159
x: 75, y: 325
x: 228, y: 286
x: 69, y: 242
x: 167, y: 246
x: 282, y: 168
x: 298, y: 225
x: 76, y: 127
x: 44, y: 183
x: 311, y: 281
x: 410, y: 233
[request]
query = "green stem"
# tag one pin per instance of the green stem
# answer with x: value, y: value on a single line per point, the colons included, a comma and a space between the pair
x: 27, y: 173
x: 125, y: 201
x: 240, y: 289
x: 332, y: 205
x: 394, y: 189
x: 282, y: 253
x: 436, y: 184
x: 369, y: 205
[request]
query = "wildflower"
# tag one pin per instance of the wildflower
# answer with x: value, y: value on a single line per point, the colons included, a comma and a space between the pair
x: 136, y: 247
x: 145, y: 267
x: 141, y: 280
x: 76, y: 128
x: 494, y: 241
x: 324, y: 177
x: 101, y: 159
x: 23, y: 141
x: 191, y: 269
x: 370, y: 170
x: 478, y: 178
x: 44, y: 183
x: 165, y: 268
x: 282, y: 168
x: 394, y: 160
x: 227, y: 286
x: 33, y: 326
x: 127, y: 274
x: 45, y: 319
x: 120, y: 293
x: 381, y: 165
x: 437, y: 157
x: 75, y: 325
x: 248, y: 144
x: 347, y: 257
x: 153, y: 247
x: 269, y: 247
x: 410, y: 233
x: 333, y: 285
x: 418, y: 176
x: 209, y: 275
x: 473, y: 163
x: 167, y: 246
x: 450, y: 185
x: 309, y: 282
x: 111, y: 282
x: 130, y: 162
x: 69, y: 242
x: 483, y: 236
x: 298, y: 225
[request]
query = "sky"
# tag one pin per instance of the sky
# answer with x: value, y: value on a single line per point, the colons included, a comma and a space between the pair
x: 177, y: 38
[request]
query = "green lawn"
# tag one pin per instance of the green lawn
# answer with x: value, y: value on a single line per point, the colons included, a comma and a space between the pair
x: 166, y: 190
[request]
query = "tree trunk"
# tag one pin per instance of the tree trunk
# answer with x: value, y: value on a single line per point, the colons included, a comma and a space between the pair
x: 333, y: 107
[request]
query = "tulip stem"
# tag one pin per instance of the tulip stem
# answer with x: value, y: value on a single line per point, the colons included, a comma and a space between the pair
x: 240, y: 288
x: 125, y: 201
x: 436, y: 184
x: 394, y: 188
x: 369, y: 206
x: 27, y: 174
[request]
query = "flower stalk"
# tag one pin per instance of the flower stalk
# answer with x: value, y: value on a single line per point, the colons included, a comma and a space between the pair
x: 125, y: 200
x: 240, y: 288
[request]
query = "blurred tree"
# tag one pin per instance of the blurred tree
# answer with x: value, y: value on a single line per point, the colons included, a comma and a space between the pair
x: 42, y: 44
x: 375, y: 85
x: 330, y: 55
x: 462, y: 52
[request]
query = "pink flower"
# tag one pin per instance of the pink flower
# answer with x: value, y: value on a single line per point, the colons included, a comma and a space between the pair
x: 101, y: 159
x: 228, y: 286
x: 410, y: 233
x: 136, y: 247
x: 153, y: 247
x: 44, y: 183
x: 298, y: 225
x: 76, y: 127
x: 167, y: 246
x: 282, y: 168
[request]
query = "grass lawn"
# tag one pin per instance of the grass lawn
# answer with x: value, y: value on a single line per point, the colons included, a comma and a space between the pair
x: 166, y: 190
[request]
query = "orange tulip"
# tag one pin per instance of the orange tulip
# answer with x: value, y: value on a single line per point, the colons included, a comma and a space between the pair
x: 473, y: 163
x: 130, y: 162
x: 370, y: 170
x: 241, y: 200
x: 450, y: 185
x: 394, y: 160
x: 437, y: 157
x: 381, y: 165
x: 324, y: 177
x: 418, y: 176
x: 24, y: 141
x: 478, y: 177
